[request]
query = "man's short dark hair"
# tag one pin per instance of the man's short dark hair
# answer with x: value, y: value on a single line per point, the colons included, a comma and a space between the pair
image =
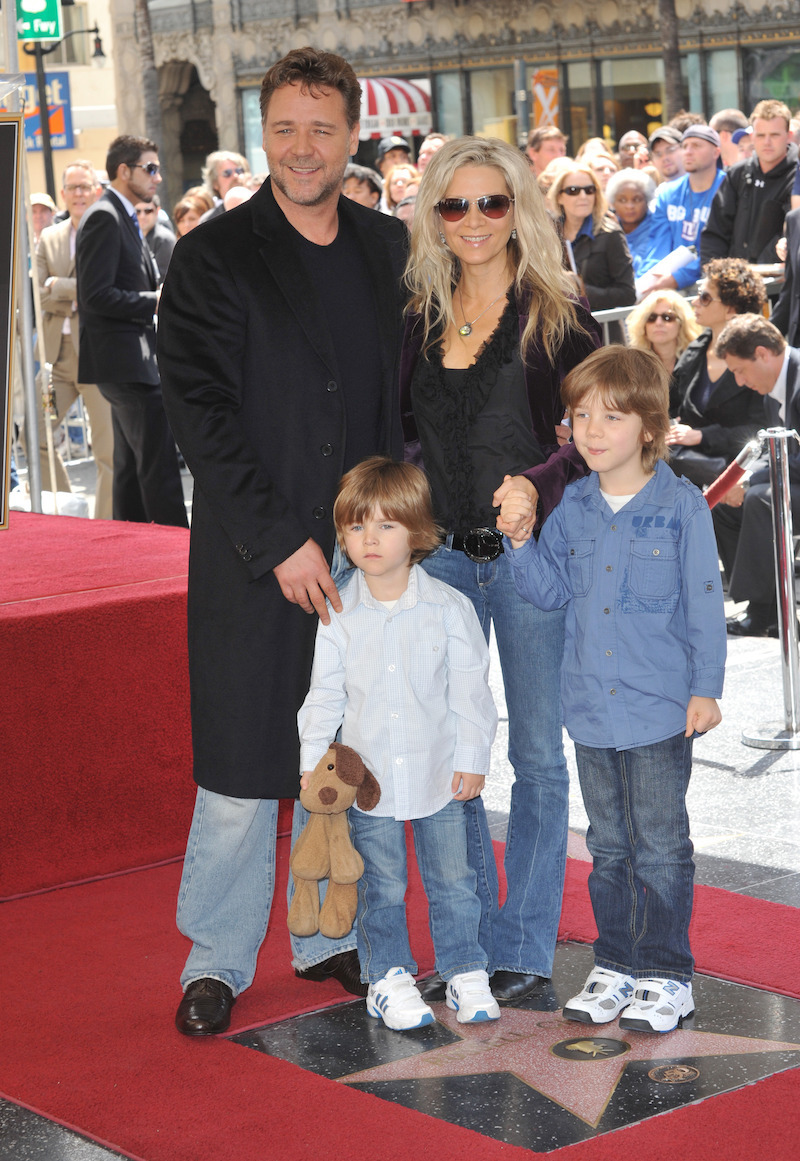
x: 127, y: 150
x: 744, y: 333
x: 537, y: 136
x: 363, y: 173
x: 728, y: 120
x: 312, y: 69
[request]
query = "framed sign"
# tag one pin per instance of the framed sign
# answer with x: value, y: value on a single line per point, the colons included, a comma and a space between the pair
x: 10, y: 159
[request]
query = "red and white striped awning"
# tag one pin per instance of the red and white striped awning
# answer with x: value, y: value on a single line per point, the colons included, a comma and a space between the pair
x: 390, y: 105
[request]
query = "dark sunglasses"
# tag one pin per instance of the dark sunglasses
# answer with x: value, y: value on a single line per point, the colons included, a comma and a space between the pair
x: 490, y: 205
x: 667, y: 318
x: 705, y: 298
x: 572, y: 191
x: 152, y: 167
x: 230, y: 172
x: 147, y: 210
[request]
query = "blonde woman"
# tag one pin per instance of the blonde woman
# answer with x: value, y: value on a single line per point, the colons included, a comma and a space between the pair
x: 395, y: 183
x: 596, y: 243
x: 492, y: 329
x: 664, y: 323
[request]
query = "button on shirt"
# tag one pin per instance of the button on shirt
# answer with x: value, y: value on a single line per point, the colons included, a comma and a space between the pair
x: 645, y: 625
x: 409, y: 688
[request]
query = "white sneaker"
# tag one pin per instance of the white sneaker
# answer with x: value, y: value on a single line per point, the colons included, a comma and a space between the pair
x: 470, y: 996
x: 605, y: 994
x: 658, y: 1005
x: 396, y: 1001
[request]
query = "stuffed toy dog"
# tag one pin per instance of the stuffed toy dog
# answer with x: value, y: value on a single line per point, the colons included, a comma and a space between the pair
x: 324, y: 849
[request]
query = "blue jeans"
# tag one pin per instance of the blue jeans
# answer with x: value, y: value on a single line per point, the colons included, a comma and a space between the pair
x: 642, y: 878
x: 440, y: 842
x: 521, y: 935
x: 227, y: 887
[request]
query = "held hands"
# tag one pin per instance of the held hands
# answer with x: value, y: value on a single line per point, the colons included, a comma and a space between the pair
x: 305, y: 580
x: 517, y: 499
x: 702, y: 714
x: 470, y: 785
x: 683, y: 434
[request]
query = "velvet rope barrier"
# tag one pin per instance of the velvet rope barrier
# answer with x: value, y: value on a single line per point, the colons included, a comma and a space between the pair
x: 734, y: 471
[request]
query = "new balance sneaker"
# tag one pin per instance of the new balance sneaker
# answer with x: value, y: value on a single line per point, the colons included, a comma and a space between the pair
x: 470, y: 996
x: 658, y: 1005
x: 605, y: 994
x: 396, y: 1001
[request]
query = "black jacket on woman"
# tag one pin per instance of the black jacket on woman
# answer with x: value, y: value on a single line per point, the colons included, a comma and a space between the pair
x: 732, y: 414
x: 605, y: 265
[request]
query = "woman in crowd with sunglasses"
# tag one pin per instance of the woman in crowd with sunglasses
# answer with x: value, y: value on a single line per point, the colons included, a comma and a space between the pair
x: 491, y: 331
x: 714, y: 416
x: 663, y: 323
x: 594, y: 242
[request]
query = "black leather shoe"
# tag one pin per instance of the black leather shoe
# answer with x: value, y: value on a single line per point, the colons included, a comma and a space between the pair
x: 747, y: 626
x: 343, y: 967
x: 432, y: 989
x: 509, y: 986
x: 205, y: 1008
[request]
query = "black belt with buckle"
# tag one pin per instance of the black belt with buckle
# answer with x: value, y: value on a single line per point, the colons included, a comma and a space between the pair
x: 480, y: 544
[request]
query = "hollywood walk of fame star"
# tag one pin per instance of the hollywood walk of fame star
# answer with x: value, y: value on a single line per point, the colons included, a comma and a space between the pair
x: 521, y: 1043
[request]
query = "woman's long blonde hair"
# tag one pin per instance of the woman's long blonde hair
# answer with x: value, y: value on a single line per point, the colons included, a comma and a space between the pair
x: 637, y: 320
x: 433, y: 270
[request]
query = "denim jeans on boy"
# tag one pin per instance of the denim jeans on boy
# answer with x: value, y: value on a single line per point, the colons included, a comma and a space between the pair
x: 440, y: 842
x: 521, y: 936
x: 229, y: 878
x: 227, y: 886
x: 643, y: 874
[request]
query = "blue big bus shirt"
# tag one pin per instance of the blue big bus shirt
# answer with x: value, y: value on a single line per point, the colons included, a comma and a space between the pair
x: 645, y: 621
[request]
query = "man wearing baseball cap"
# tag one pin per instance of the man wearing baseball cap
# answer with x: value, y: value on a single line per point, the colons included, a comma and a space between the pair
x: 392, y: 151
x: 682, y: 206
x: 665, y: 152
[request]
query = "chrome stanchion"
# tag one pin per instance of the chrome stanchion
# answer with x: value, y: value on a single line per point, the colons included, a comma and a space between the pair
x: 774, y: 735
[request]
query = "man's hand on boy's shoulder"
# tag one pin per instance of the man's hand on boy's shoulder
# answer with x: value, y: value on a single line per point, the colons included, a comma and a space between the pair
x: 466, y: 786
x: 702, y: 714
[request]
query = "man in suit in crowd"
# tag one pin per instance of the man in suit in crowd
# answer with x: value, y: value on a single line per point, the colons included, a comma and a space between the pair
x: 757, y: 355
x: 279, y: 333
x: 117, y: 299
x: 158, y: 236
x: 786, y: 315
x: 55, y: 269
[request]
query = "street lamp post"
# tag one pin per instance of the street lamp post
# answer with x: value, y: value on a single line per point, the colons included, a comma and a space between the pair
x: 38, y: 51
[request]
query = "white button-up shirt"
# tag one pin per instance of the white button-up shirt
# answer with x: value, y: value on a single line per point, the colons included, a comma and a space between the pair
x: 408, y: 687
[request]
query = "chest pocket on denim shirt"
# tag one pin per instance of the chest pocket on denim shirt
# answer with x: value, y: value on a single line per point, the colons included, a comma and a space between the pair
x: 579, y: 562
x: 654, y: 569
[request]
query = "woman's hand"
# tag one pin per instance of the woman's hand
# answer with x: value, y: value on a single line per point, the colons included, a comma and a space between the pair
x: 517, y: 499
x: 684, y: 435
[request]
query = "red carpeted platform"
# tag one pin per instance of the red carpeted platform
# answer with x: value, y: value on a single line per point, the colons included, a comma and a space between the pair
x: 94, y: 717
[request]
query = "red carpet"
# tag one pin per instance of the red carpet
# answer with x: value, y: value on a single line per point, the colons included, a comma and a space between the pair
x: 88, y: 1040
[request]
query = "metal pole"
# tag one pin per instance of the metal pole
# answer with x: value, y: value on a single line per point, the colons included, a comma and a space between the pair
x: 44, y: 121
x: 773, y: 735
x: 522, y: 102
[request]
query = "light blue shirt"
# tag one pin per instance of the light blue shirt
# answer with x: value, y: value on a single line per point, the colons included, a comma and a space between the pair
x: 409, y: 688
x: 645, y: 625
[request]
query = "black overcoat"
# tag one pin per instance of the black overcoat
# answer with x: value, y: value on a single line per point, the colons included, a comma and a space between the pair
x: 251, y: 389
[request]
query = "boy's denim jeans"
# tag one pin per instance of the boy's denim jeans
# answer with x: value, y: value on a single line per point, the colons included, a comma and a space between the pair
x: 642, y: 880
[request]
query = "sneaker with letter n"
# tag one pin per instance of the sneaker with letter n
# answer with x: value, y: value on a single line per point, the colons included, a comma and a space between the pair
x: 605, y: 994
x: 470, y: 997
x: 396, y: 1001
x: 658, y: 1005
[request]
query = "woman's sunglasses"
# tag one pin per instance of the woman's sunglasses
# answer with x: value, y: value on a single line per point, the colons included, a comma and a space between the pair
x: 490, y: 205
x: 655, y: 316
x: 705, y: 298
x: 572, y: 191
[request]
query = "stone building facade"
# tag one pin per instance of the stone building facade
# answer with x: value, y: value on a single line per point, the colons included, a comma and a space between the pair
x: 479, y: 62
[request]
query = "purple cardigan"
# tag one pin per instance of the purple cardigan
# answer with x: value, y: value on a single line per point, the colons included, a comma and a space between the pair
x: 543, y: 385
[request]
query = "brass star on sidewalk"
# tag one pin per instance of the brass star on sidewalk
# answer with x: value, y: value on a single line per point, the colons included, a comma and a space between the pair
x: 522, y: 1043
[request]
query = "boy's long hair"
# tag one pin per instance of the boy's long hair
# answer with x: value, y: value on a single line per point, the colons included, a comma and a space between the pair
x: 628, y: 380
x: 402, y: 493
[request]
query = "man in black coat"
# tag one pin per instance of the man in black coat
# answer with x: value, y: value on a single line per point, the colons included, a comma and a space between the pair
x: 786, y: 315
x: 757, y: 354
x: 117, y: 299
x: 279, y: 334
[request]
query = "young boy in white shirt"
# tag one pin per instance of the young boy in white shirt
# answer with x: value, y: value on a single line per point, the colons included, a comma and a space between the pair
x: 403, y: 671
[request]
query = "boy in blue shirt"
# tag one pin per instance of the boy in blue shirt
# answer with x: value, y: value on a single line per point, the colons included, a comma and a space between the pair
x: 403, y: 670
x: 630, y: 551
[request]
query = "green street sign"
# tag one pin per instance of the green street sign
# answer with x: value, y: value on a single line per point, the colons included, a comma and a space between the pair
x: 39, y: 20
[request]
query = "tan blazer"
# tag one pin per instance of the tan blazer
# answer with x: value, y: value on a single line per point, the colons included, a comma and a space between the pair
x: 58, y: 299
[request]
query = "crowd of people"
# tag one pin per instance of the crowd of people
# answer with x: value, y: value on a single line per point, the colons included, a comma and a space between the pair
x: 377, y: 414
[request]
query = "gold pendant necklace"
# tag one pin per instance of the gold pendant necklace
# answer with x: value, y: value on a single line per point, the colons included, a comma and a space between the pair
x: 466, y: 330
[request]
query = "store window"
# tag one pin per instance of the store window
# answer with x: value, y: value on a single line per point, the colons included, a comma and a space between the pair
x: 448, y: 105
x: 723, y: 81
x: 251, y: 122
x: 771, y: 73
x: 492, y: 102
x: 633, y: 94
